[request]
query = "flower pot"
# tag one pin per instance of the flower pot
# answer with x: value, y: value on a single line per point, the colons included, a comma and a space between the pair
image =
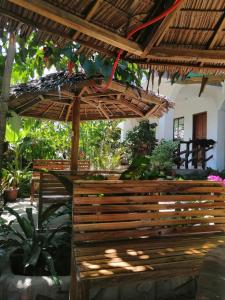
x: 10, y: 195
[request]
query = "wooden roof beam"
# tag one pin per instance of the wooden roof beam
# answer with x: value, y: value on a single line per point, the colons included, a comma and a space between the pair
x: 161, y: 31
x: 99, y: 95
x: 104, y: 112
x: 48, y: 30
x: 89, y: 16
x: 134, y: 93
x: 150, y: 112
x: 132, y: 107
x: 166, y: 66
x: 219, y: 28
x: 207, y: 56
x: 74, y: 22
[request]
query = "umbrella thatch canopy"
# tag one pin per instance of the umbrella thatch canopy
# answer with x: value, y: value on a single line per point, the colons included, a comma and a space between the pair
x: 52, y: 97
x: 190, y: 39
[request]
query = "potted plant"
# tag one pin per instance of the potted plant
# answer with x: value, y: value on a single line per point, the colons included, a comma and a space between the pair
x: 12, y: 180
x: 34, y: 254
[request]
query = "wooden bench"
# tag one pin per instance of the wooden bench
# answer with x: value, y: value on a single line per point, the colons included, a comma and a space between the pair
x: 132, y: 230
x: 52, y: 190
x: 54, y: 164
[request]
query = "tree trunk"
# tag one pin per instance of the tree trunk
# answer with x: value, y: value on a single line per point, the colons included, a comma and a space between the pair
x: 5, y: 92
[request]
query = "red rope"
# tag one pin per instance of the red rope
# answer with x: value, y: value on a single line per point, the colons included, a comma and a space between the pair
x: 133, y: 31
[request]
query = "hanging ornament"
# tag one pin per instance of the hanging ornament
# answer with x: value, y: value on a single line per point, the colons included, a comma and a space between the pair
x: 70, y: 66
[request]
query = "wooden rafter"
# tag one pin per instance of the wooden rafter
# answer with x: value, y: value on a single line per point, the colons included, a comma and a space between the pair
x: 47, y: 108
x: 102, y: 109
x: 161, y: 31
x: 134, y: 93
x: 89, y: 16
x: 68, y: 112
x: 74, y: 22
x: 151, y: 111
x: 131, y: 106
x: 183, y: 67
x: 48, y: 30
x: 207, y: 56
x: 99, y: 95
x: 26, y: 106
x: 219, y: 28
x: 61, y: 113
x: 57, y: 100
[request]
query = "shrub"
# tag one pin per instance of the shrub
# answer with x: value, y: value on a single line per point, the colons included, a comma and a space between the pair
x: 162, y: 158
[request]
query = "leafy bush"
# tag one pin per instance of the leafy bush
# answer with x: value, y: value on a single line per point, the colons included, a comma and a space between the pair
x: 141, y: 140
x: 162, y: 158
x: 35, y: 247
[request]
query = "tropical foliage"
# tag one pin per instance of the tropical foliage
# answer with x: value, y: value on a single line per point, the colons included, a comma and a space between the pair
x: 141, y: 140
x: 162, y: 157
x: 100, y: 143
x: 35, y: 247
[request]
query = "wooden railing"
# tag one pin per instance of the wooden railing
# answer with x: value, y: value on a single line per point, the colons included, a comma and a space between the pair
x: 193, y: 153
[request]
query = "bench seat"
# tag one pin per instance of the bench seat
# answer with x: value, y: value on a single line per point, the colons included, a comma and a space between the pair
x: 151, y: 258
x: 133, y: 230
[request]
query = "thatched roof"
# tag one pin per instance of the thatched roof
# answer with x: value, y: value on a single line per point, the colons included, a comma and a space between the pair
x: 52, y: 97
x: 191, y: 39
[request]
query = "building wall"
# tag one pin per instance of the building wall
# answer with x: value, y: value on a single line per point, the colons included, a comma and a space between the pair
x: 188, y: 103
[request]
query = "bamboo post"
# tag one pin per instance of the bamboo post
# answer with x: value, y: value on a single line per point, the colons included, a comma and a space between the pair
x: 75, y: 134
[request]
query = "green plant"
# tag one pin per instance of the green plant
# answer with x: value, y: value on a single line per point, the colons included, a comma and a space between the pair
x: 141, y: 140
x: 100, y: 143
x: 162, y: 158
x: 13, y: 178
x: 35, y: 246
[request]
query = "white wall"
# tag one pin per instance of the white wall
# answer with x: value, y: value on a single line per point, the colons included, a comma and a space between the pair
x: 187, y: 103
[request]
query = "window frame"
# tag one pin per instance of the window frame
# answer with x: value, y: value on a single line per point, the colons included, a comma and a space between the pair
x: 178, y: 120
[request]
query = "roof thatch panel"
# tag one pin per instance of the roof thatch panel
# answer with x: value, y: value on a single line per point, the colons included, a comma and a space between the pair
x: 52, y: 97
x: 196, y: 25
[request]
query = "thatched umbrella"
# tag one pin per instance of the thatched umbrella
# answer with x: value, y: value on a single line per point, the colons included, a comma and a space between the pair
x: 74, y: 97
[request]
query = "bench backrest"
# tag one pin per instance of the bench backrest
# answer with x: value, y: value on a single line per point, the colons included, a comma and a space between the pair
x: 51, y: 186
x: 59, y: 164
x: 112, y: 210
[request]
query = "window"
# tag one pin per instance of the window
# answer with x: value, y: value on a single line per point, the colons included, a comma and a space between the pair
x: 178, y: 128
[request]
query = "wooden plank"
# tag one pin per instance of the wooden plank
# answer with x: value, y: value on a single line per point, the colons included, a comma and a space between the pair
x: 146, y: 207
x: 145, y: 189
x: 74, y: 22
x: 143, y: 253
x: 111, y: 264
x: 153, y: 244
x: 146, y: 199
x: 147, y: 268
x: 149, y: 182
x: 142, y: 216
x: 144, y: 224
x: 164, y: 233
